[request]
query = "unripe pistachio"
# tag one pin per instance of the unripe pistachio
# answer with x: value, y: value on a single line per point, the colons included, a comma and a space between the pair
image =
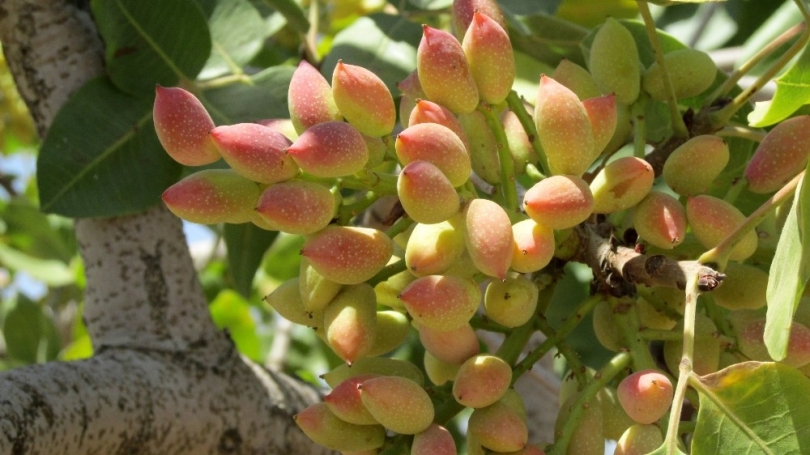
x: 744, y: 287
x: 621, y: 184
x: 559, y: 201
x: 363, y: 99
x: 411, y: 86
x: 296, y: 206
x: 212, y: 196
x: 576, y: 78
x: 645, y: 395
x: 511, y: 302
x: 530, y: 449
x: 615, y: 420
x: 393, y: 328
x: 255, y: 152
x: 436, y: 440
x: 639, y: 440
x: 605, y: 328
x: 433, y: 248
x: 399, y: 404
x: 488, y: 236
x: 713, y: 219
x: 183, y: 125
x: 377, y: 366
x: 603, y: 116
x: 463, y: 11
x: 350, y: 320
x: 330, y: 149
x: 439, y: 372
x: 310, y: 98
x: 498, y: 427
x: 588, y: 437
x: 283, y: 126
x: 693, y: 166
x: 563, y: 128
x: 660, y: 220
x: 451, y: 346
x: 344, y: 401
x: 482, y: 380
x: 614, y: 61
x: 444, y: 72
x: 441, y: 302
x: 426, y: 194
x: 388, y: 291
x: 653, y: 318
x: 690, y: 71
x: 519, y: 144
x: 348, y: 255
x: 286, y: 300
x: 706, y: 351
x: 483, y: 146
x: 328, y: 430
x: 437, y: 145
x: 316, y: 291
x: 750, y: 338
x: 780, y: 156
x: 376, y: 151
x: 489, y: 54
x: 533, y: 246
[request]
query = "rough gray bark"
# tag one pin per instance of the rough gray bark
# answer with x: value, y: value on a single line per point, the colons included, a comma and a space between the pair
x: 164, y: 380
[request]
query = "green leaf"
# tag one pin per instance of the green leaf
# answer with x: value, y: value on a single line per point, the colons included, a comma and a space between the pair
x: 246, y: 245
x: 30, y: 335
x: 381, y: 43
x: 792, y: 92
x: 102, y: 157
x: 264, y: 96
x: 230, y: 311
x: 237, y: 35
x: 789, y: 273
x: 675, y: 2
x: 528, y: 74
x: 548, y: 39
x: 284, y: 257
x: 151, y: 42
x: 291, y: 11
x: 33, y: 232
x: 753, y: 408
x: 50, y: 271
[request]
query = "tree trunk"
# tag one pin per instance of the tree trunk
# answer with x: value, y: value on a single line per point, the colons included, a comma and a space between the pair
x: 164, y: 379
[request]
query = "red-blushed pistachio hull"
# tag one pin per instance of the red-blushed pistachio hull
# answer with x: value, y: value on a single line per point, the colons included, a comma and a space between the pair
x: 310, y: 98
x: 614, y: 62
x: 344, y: 401
x: 695, y: 164
x: 450, y: 346
x: 444, y: 72
x: 441, y: 302
x: 425, y: 111
x: 520, y: 145
x: 463, y: 11
x: 780, y: 156
x: 399, y: 404
x: 183, y: 125
x: 483, y: 146
x: 283, y: 126
x: 328, y: 430
x: 639, y: 440
x: 497, y: 427
x: 559, y: 202
x: 438, y: 145
x: 350, y: 320
x: 316, y: 291
x: 603, y: 116
x: 690, y: 71
x: 621, y: 184
x: 751, y: 343
x: 489, y: 54
x: 533, y: 246
x: 436, y: 440
x: 297, y: 207
x: 363, y: 99
x: 426, y: 194
x: 744, y: 287
x: 374, y: 365
x: 348, y: 255
x: 488, y: 235
x: 286, y: 301
x: 330, y: 149
x: 482, y: 380
x: 563, y: 128
x: 255, y: 151
x: 212, y: 196
x: 393, y: 327
x: 433, y: 248
x: 511, y: 302
x: 713, y: 219
x: 660, y: 220
x: 645, y: 395
x: 439, y: 372
x: 576, y: 78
